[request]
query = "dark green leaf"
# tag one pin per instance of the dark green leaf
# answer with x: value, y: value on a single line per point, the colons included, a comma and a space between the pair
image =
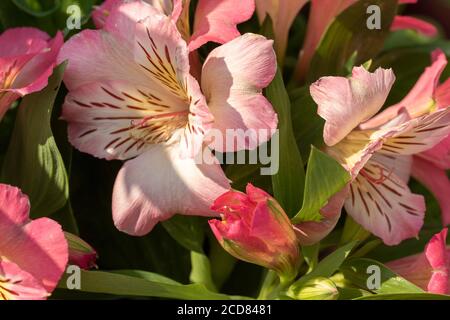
x: 308, y: 125
x: 37, y: 8
x: 188, y: 231
x: 357, y: 272
x: 126, y: 285
x: 33, y: 161
x: 288, y: 182
x: 349, y: 34
x: 327, y: 266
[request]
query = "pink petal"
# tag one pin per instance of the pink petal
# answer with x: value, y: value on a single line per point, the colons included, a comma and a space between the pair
x: 86, y: 66
x: 439, y: 155
x: 37, y: 247
x: 442, y: 95
x: 436, y: 180
x: 102, y: 12
x: 27, y: 63
x: 435, y: 250
x: 282, y: 14
x: 346, y: 102
x: 437, y: 256
x: 116, y: 42
x: 233, y: 77
x: 383, y: 204
x: 173, y: 185
x: 14, y: 206
x: 418, y: 135
x: 216, y: 20
x: 420, y: 99
x: 311, y: 232
x: 34, y: 75
x: 21, y: 41
x: 16, y: 284
x: 418, y: 25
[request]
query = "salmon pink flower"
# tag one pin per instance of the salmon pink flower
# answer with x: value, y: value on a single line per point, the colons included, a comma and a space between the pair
x: 215, y: 20
x: 33, y: 254
x: 254, y: 228
x: 429, y: 270
x: 27, y: 58
x: 427, y: 96
x: 379, y: 158
x: 138, y: 102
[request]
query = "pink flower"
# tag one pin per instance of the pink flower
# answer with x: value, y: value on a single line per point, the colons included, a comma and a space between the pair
x: 254, y: 228
x: 215, y: 20
x: 137, y: 101
x: 283, y: 14
x: 430, y: 269
x: 27, y: 58
x: 427, y: 96
x: 33, y: 254
x: 378, y: 158
x: 322, y: 15
x: 80, y: 252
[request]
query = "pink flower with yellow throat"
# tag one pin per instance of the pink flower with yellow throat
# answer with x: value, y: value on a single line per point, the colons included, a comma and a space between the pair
x: 137, y: 101
x: 33, y: 253
x: 378, y: 158
x: 27, y: 59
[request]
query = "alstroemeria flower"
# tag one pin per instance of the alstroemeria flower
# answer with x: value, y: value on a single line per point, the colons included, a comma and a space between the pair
x: 33, y: 254
x: 254, y: 228
x: 282, y: 14
x: 27, y: 58
x: 137, y: 101
x: 429, y: 270
x: 323, y: 13
x: 378, y: 159
x: 215, y: 20
x: 427, y: 96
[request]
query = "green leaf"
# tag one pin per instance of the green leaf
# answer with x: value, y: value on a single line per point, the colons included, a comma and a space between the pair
x: 308, y: 125
x: 324, y: 178
x: 348, y: 34
x: 311, y: 255
x: 37, y: 8
x: 329, y: 265
x: 150, y: 276
x: 187, y: 231
x: 33, y: 161
x: 142, y: 286
x: 357, y: 271
x: 201, y: 271
x: 289, y: 180
x: 353, y: 231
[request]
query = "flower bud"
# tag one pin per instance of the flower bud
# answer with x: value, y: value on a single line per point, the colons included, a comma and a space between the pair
x: 319, y: 288
x: 80, y: 252
x: 254, y: 228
